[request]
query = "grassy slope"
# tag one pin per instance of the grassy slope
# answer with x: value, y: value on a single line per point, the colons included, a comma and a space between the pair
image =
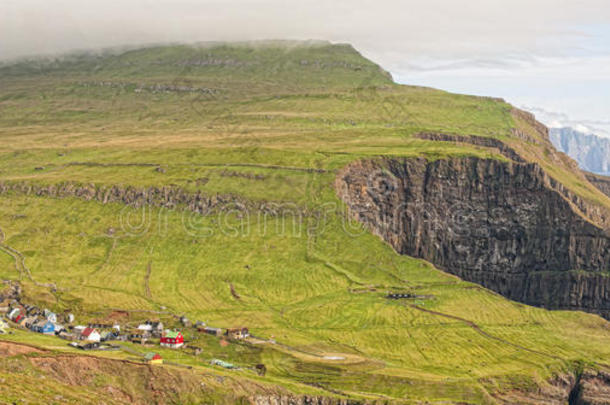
x: 299, y: 285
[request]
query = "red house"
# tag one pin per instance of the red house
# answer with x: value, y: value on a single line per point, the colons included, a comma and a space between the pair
x: 173, y: 339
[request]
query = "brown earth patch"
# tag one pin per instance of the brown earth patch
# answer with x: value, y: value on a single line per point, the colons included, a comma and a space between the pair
x: 9, y: 349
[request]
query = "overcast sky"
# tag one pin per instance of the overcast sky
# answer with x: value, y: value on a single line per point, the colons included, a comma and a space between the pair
x: 552, y: 56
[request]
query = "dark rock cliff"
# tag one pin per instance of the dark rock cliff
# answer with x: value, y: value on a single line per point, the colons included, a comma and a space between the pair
x: 170, y: 197
x: 601, y: 182
x: 504, y: 225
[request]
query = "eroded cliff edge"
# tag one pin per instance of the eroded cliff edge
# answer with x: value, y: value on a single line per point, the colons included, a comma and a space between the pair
x: 500, y: 224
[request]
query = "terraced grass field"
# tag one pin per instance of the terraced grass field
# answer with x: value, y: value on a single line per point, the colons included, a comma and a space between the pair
x: 263, y: 129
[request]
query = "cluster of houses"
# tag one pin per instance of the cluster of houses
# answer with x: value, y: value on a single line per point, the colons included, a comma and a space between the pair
x: 35, y: 319
x: 91, y: 336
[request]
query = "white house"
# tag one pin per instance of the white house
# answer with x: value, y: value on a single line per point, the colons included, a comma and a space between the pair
x: 90, y: 334
x: 145, y: 327
x: 14, y: 313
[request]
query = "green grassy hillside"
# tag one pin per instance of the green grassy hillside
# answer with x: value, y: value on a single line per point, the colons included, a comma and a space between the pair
x: 267, y: 124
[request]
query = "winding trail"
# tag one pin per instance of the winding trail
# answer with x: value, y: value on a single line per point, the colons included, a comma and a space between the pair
x: 478, y: 329
x: 20, y: 265
x: 147, y: 280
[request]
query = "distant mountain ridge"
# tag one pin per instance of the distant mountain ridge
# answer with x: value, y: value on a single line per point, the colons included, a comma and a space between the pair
x: 590, y: 151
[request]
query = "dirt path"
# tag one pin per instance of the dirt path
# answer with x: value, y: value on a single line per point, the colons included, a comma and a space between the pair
x: 16, y: 255
x: 147, y: 280
x: 107, y: 258
x: 20, y: 265
x: 478, y: 329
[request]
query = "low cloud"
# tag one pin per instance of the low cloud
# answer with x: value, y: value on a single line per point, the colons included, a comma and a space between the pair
x: 555, y: 119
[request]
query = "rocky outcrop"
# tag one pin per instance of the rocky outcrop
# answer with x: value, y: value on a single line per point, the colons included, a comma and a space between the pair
x: 531, y: 120
x: 170, y: 197
x: 154, y: 88
x: 507, y: 226
x: 486, y: 142
x: 302, y: 400
x: 588, y: 387
x: 601, y: 182
x: 593, y: 388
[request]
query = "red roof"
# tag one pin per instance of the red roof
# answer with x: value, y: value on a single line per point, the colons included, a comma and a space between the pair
x: 87, y: 332
x: 172, y: 337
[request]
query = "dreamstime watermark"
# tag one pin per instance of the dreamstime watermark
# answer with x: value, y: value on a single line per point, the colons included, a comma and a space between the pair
x: 380, y: 202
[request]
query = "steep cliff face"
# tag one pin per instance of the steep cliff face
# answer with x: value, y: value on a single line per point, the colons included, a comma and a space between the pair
x: 503, y: 225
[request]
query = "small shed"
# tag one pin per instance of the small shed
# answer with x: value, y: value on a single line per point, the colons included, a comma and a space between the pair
x: 221, y: 363
x: 185, y: 321
x: 211, y: 331
x: 153, y: 358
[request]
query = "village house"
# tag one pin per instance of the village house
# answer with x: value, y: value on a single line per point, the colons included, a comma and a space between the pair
x: 157, y: 329
x: 30, y: 321
x: 185, y: 321
x: 172, y: 339
x: 5, y: 306
x: 48, y: 328
x: 66, y: 335
x: 145, y: 327
x: 211, y: 331
x: 3, y: 327
x: 15, y: 314
x: 138, y: 338
x: 100, y: 326
x: 153, y: 358
x: 50, y: 316
x: 43, y: 326
x: 237, y: 333
x: 23, y: 322
x: 109, y: 335
x: 32, y: 310
x: 90, y: 334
